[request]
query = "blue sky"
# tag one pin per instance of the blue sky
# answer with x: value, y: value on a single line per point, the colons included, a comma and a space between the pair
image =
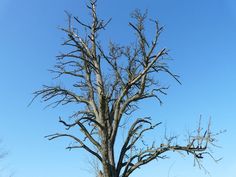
x: 201, y: 38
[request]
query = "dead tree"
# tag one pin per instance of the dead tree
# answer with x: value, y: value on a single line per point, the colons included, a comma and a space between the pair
x: 108, y: 84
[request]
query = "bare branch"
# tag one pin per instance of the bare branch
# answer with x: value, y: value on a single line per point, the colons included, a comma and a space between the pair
x: 82, y: 145
x: 84, y: 130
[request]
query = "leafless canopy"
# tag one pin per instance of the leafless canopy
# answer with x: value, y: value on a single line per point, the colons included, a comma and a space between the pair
x: 108, y: 83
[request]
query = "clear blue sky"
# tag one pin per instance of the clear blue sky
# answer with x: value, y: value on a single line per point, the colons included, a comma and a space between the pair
x: 202, y: 41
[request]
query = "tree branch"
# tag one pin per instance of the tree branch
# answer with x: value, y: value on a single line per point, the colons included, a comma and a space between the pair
x: 58, y: 135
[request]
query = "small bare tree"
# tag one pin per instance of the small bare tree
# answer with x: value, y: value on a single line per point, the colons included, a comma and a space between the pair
x: 3, y: 168
x: 108, y: 84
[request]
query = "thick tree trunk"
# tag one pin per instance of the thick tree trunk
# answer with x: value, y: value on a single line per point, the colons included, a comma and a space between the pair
x: 108, y: 159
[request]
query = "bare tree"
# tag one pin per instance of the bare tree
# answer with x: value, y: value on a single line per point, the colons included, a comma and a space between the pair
x: 3, y: 168
x: 108, y: 84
